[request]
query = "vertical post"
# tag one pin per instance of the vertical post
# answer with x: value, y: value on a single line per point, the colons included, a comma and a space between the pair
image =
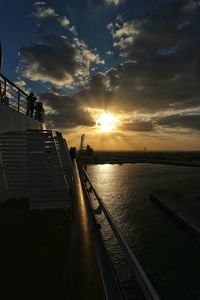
x: 5, y: 85
x: 18, y: 100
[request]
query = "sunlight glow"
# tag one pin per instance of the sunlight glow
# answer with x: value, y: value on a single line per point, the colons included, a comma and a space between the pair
x: 106, y: 122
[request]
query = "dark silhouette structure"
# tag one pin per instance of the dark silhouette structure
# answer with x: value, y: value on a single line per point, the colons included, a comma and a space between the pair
x: 31, y: 99
x: 72, y: 152
x: 89, y: 150
x: 17, y: 99
x: 39, y: 112
x: 4, y: 98
x: 85, y: 150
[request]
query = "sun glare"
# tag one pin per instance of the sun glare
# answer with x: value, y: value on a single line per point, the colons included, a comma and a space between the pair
x: 106, y: 122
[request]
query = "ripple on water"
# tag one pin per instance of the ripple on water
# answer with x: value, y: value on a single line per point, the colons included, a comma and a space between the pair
x: 169, y: 256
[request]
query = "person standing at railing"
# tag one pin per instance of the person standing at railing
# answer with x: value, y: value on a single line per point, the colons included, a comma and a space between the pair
x: 39, y: 111
x: 31, y: 99
x: 4, y: 98
x: 36, y: 111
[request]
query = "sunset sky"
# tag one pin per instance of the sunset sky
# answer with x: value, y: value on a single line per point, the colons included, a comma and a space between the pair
x: 124, y: 72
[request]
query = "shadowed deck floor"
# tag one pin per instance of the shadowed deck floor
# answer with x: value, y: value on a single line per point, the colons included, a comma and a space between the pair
x: 49, y: 255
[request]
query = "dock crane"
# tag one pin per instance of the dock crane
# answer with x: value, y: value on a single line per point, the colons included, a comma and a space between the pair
x: 84, y: 149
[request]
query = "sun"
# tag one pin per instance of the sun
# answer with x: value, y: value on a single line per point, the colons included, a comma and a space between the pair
x: 106, y: 122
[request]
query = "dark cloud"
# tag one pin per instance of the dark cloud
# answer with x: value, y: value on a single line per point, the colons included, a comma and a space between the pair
x: 52, y: 61
x: 58, y: 61
x: 113, y: 2
x: 139, y: 126
x: 64, y: 111
x: 95, y: 93
x: 59, y: 57
x: 142, y: 88
x: 161, y: 69
x: 163, y: 31
x: 163, y: 62
x: 183, y: 121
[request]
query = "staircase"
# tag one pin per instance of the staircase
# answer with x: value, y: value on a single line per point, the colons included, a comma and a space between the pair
x: 36, y: 165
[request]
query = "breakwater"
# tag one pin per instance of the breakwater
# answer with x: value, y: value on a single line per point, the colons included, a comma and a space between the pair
x: 181, y: 220
x: 154, y: 157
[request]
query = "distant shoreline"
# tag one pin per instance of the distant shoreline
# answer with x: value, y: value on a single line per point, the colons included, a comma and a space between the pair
x: 159, y: 162
x: 190, y: 159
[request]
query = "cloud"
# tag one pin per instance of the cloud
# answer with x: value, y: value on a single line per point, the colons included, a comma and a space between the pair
x: 190, y: 6
x: 168, y: 27
x: 64, y: 112
x: 44, y: 12
x: 109, y: 52
x: 159, y: 76
x: 189, y: 121
x: 114, y: 2
x: 62, y: 59
x: 64, y: 21
x: 138, y: 126
x: 57, y: 61
x: 124, y: 34
x: 39, y: 3
x: 22, y: 85
x: 161, y: 69
x: 52, y: 61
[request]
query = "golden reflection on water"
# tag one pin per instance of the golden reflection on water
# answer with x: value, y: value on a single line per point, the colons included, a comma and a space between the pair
x: 105, y: 167
x: 105, y: 180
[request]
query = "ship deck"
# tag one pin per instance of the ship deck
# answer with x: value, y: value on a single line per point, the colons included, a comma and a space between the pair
x: 48, y: 254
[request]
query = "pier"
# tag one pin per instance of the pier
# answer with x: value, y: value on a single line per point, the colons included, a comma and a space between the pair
x: 177, y: 217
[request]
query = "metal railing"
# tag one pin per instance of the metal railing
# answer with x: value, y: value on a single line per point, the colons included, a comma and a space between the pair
x: 146, y: 287
x: 12, y: 95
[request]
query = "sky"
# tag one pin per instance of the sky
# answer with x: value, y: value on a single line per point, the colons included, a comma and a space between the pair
x: 124, y: 73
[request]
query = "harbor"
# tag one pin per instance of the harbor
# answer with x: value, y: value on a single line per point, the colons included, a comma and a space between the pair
x: 167, y: 251
x: 44, y: 194
x: 69, y: 225
x: 100, y: 150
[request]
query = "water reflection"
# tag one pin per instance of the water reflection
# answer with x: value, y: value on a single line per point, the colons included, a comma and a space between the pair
x: 170, y: 256
x: 105, y: 167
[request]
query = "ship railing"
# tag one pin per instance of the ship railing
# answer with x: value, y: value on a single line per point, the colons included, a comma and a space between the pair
x: 13, y: 96
x: 136, y: 269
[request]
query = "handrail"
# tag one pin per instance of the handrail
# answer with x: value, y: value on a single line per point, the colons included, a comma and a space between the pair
x: 11, y: 83
x: 145, y: 284
x: 14, y: 97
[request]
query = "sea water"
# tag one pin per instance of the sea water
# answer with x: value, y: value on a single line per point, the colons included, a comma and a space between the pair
x: 169, y: 255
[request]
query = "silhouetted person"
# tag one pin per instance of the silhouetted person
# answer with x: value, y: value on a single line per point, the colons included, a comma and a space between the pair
x: 39, y: 111
x: 72, y: 152
x: 4, y: 98
x: 28, y: 105
x: 36, y: 111
x: 31, y: 99
x: 89, y: 150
